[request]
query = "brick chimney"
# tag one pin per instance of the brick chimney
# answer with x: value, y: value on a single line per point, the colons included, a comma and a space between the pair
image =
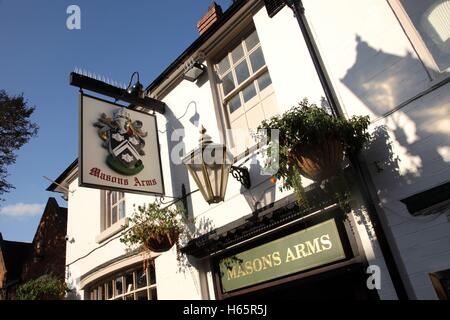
x: 214, y: 13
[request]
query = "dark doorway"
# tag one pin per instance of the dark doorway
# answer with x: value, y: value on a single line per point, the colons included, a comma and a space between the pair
x: 343, y: 284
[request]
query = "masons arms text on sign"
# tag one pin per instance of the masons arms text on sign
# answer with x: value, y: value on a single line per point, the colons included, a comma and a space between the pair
x: 306, y: 249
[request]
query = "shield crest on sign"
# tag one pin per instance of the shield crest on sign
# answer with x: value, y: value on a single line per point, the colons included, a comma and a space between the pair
x: 124, y: 139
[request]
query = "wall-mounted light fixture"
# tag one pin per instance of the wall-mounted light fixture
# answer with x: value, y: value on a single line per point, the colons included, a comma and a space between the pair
x: 193, y: 71
x: 137, y: 89
x: 209, y: 165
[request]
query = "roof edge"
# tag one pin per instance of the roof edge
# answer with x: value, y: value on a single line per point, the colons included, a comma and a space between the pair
x: 51, y: 204
x: 62, y: 176
x: 196, y: 44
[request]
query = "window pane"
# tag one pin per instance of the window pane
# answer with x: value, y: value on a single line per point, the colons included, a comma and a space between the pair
x: 153, y: 294
x: 257, y: 60
x: 249, y: 92
x: 242, y: 72
x: 109, y: 290
x: 141, y: 295
x: 141, y: 279
x: 129, y: 296
x: 252, y: 41
x: 114, y: 198
x: 237, y: 53
x: 129, y: 282
x: 234, y: 103
x: 224, y: 65
x: 122, y: 209
x: 114, y: 215
x: 431, y: 18
x: 228, y: 83
x: 264, y: 81
x: 152, y: 275
x: 101, y: 293
x: 119, y: 286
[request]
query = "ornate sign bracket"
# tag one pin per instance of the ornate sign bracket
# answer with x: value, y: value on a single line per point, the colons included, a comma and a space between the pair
x: 101, y: 87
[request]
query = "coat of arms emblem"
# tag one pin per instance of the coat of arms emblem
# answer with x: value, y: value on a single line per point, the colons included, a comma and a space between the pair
x: 124, y: 140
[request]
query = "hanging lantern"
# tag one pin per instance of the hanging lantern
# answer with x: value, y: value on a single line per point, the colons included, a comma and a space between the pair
x: 209, y: 166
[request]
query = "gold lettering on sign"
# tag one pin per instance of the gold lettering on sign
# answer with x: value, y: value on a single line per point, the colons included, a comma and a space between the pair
x: 241, y: 272
x: 248, y: 267
x: 275, y: 259
x: 267, y: 261
x: 300, y: 250
x: 313, y: 247
x: 308, y: 248
x: 290, y: 256
x: 326, y: 242
x: 232, y: 274
x: 256, y: 265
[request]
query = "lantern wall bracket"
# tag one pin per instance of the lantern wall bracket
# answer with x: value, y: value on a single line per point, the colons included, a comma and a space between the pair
x: 242, y: 175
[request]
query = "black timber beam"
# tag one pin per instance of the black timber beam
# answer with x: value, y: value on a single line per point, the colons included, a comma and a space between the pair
x: 81, y: 81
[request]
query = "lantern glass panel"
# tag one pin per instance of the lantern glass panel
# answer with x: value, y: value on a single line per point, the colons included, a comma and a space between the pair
x: 209, y: 166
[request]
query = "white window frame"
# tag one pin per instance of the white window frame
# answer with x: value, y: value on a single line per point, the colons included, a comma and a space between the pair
x: 417, y: 42
x: 254, y: 75
x: 108, y: 206
x: 95, y: 292
x: 107, y: 230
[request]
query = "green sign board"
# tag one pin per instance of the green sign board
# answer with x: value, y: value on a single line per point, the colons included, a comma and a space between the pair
x: 303, y: 250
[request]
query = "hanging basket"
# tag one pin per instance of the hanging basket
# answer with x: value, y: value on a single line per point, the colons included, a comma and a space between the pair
x: 318, y: 162
x: 161, y: 242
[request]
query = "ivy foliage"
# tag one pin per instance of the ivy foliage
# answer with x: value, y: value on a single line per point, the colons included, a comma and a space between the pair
x: 309, y: 125
x: 44, y: 288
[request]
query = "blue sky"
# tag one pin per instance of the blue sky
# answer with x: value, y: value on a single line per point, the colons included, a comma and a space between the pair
x: 37, y: 54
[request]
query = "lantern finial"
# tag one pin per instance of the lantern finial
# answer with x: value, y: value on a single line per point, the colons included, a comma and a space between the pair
x: 204, y: 137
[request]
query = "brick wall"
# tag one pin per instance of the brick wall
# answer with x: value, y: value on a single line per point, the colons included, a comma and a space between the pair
x: 49, y: 245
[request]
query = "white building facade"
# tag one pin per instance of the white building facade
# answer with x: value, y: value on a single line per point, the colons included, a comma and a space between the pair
x: 388, y: 59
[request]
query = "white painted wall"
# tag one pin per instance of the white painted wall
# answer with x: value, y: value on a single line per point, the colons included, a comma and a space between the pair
x: 374, y: 69
x: 287, y: 57
x: 84, y: 226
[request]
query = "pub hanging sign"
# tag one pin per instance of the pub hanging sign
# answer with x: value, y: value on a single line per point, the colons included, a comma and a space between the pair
x: 119, y: 148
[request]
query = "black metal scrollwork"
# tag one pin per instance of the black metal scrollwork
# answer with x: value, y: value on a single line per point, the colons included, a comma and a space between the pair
x: 242, y: 175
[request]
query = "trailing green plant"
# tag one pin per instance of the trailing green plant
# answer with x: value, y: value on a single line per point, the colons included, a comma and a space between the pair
x: 152, y: 221
x: 306, y: 126
x: 44, y: 288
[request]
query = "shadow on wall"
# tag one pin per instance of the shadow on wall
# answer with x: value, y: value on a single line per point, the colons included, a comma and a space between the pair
x: 413, y: 142
x: 262, y: 191
x: 388, y: 165
x: 179, y: 174
x: 202, y: 226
